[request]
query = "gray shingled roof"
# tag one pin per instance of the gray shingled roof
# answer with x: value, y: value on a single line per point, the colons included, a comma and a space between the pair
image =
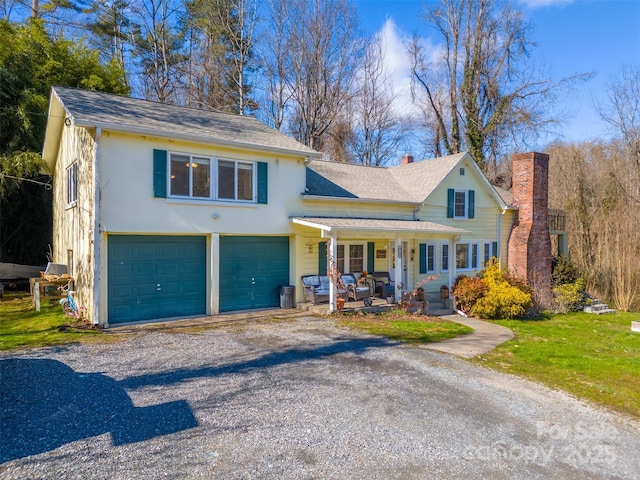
x: 370, y: 224
x: 141, y: 116
x: 411, y: 183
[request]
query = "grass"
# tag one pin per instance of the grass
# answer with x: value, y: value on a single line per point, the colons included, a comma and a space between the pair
x: 596, y: 357
x: 406, y: 328
x: 22, y: 326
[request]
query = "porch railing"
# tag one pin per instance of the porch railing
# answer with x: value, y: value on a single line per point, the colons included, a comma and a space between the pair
x: 557, y: 220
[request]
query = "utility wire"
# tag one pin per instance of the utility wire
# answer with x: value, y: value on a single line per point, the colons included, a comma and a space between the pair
x: 47, y: 186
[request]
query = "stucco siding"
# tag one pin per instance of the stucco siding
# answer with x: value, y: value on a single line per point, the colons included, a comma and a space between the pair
x: 129, y: 205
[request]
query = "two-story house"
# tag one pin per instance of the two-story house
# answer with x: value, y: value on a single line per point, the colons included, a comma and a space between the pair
x: 163, y: 211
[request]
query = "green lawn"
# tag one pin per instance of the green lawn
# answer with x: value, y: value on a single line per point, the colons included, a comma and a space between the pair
x: 22, y: 326
x: 406, y: 328
x: 596, y: 357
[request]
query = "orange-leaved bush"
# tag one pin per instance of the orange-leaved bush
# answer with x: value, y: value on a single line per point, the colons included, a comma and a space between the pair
x: 467, y: 291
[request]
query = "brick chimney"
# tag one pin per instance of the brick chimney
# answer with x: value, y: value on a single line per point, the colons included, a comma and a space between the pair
x: 529, y: 243
x: 406, y: 159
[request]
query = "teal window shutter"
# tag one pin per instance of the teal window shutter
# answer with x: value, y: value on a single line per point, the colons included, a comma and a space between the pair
x: 450, y: 202
x: 371, y: 256
x: 160, y: 173
x: 263, y: 169
x: 494, y: 248
x: 322, y: 258
x: 423, y: 258
x: 472, y: 204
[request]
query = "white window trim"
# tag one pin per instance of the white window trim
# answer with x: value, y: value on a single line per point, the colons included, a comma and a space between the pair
x: 466, y: 204
x: 346, y: 255
x: 469, y: 267
x: 442, y: 268
x: 71, y: 180
x: 254, y: 180
x: 485, y: 244
x: 213, y: 176
x: 435, y: 257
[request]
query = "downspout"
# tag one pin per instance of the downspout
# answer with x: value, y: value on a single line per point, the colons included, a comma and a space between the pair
x: 97, y: 239
x: 499, y: 236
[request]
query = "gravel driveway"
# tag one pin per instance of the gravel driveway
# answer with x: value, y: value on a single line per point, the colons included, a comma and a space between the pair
x: 296, y: 399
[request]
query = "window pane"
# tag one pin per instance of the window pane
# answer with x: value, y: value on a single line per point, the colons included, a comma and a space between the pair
x: 431, y: 258
x: 356, y: 258
x: 245, y: 181
x: 474, y: 255
x: 487, y: 253
x: 201, y: 178
x: 445, y: 257
x: 179, y: 175
x: 460, y: 204
x: 226, y: 180
x: 340, y: 259
x: 462, y: 255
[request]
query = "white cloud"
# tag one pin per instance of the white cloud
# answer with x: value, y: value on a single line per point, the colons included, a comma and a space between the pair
x: 545, y: 3
x: 398, y: 64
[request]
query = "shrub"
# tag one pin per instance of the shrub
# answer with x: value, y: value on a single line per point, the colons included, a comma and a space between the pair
x: 467, y: 291
x: 502, y: 299
x: 569, y: 297
x: 563, y: 271
x: 517, y: 282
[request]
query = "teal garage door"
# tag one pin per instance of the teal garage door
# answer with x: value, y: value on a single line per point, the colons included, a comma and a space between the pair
x: 252, y: 270
x: 155, y: 277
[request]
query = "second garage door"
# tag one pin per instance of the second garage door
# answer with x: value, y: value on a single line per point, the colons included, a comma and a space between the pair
x: 252, y: 269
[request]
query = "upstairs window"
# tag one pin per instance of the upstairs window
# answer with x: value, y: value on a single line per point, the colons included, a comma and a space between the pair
x: 208, y: 178
x: 235, y: 180
x: 190, y: 176
x: 72, y: 184
x: 460, y: 203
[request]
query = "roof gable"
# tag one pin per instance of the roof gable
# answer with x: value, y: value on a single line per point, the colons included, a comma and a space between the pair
x: 410, y: 183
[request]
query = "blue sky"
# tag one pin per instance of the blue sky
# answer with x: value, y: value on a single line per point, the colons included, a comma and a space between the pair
x: 572, y: 36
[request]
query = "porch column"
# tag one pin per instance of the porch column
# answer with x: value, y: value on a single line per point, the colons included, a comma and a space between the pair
x: 397, y: 273
x: 331, y: 265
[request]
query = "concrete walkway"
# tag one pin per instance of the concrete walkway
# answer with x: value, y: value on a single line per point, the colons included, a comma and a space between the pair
x: 485, y: 337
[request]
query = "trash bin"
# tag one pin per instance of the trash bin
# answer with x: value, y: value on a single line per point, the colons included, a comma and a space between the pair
x: 287, y: 296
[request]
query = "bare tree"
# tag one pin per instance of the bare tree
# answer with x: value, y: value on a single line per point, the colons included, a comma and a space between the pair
x: 483, y: 91
x: 157, y: 38
x: 377, y: 127
x: 591, y: 183
x: 224, y: 34
x: 274, y: 52
x: 313, y: 64
x: 622, y: 110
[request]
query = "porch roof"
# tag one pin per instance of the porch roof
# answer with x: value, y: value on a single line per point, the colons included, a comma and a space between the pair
x: 338, y: 224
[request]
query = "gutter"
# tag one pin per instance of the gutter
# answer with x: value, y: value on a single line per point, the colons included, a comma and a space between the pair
x: 320, y: 198
x: 194, y: 138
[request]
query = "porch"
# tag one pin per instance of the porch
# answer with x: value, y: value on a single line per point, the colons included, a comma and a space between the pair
x: 436, y: 307
x: 407, y: 251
